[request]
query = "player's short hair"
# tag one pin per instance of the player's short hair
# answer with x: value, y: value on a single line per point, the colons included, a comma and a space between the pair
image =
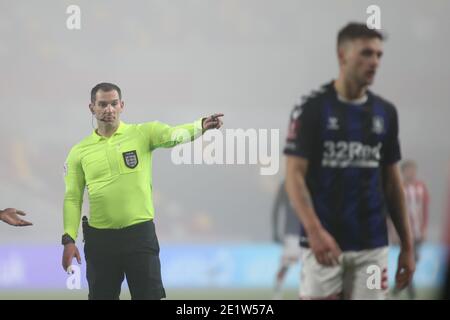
x: 356, y: 30
x: 408, y: 164
x: 106, y: 87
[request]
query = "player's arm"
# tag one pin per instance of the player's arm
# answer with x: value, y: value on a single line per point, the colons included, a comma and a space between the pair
x: 324, y: 247
x: 299, y: 194
x: 299, y: 149
x: 395, y: 200
x: 165, y: 136
x: 11, y: 217
x: 73, y: 200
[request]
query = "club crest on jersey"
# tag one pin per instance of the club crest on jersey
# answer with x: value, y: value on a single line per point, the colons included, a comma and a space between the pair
x: 333, y: 123
x: 377, y: 125
x: 131, y: 159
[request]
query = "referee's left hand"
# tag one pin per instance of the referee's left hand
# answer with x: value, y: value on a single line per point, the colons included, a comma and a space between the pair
x: 70, y: 252
x: 212, y: 122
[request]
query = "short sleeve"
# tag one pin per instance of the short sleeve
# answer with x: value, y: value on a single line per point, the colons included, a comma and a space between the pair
x: 392, y: 153
x: 302, y: 126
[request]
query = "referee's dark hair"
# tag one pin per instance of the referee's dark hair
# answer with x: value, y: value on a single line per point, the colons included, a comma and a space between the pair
x: 105, y: 86
x: 355, y: 30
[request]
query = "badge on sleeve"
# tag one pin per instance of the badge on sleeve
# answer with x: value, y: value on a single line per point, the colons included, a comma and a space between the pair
x: 131, y: 159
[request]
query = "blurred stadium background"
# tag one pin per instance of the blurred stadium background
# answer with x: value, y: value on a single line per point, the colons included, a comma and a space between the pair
x: 176, y: 61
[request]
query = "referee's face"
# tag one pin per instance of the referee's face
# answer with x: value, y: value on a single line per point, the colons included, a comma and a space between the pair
x: 360, y: 60
x: 107, y: 107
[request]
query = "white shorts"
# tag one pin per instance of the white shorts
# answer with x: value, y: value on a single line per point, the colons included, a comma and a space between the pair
x: 360, y: 275
x: 291, y: 250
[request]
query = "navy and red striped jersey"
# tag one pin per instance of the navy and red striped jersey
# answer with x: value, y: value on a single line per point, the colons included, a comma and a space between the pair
x: 346, y: 146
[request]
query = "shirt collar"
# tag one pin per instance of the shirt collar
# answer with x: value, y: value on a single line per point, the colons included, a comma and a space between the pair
x: 330, y: 86
x: 120, y: 130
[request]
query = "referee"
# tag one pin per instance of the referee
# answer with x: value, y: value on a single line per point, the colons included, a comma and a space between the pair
x: 115, y: 164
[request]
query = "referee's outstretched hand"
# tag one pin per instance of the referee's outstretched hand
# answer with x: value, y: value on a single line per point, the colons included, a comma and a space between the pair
x: 11, y: 217
x: 212, y: 122
x: 70, y: 252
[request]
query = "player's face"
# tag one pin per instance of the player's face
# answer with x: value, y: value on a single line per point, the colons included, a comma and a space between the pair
x: 107, y: 107
x: 360, y: 60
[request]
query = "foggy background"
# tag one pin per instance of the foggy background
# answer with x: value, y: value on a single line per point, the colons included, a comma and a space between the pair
x: 176, y: 61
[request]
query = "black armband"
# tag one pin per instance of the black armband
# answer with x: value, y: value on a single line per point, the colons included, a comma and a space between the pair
x: 66, y: 239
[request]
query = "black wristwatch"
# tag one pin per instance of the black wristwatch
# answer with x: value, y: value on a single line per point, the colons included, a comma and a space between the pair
x: 66, y: 239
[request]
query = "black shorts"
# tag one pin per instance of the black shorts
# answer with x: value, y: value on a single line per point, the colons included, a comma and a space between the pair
x: 112, y: 254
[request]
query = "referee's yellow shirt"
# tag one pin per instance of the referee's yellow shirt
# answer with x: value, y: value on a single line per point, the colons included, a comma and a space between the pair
x: 117, y: 173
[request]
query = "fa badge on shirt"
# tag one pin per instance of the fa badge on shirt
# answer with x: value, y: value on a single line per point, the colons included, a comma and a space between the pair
x: 131, y: 159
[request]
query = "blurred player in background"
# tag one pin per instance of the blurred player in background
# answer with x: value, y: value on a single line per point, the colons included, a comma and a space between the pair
x: 11, y: 217
x: 342, y: 153
x: 114, y: 163
x: 288, y: 236
x: 417, y: 203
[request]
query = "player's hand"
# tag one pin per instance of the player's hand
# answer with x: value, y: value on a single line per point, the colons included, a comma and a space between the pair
x: 11, y: 216
x: 212, y: 122
x: 70, y: 252
x: 405, y: 269
x: 325, y: 248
